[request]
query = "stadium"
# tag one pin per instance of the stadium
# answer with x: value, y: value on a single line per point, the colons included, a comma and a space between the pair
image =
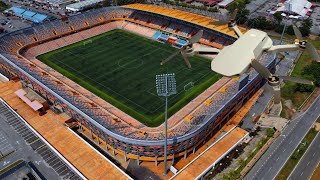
x: 99, y: 68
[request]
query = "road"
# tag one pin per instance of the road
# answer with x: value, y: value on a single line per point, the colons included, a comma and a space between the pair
x: 308, y: 162
x: 260, y: 106
x: 270, y: 164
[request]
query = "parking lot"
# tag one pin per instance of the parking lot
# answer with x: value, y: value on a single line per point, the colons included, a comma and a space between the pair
x: 56, y: 163
x: 39, y: 7
x: 12, y: 23
x: 17, y: 137
x: 19, y: 127
x: 5, y: 147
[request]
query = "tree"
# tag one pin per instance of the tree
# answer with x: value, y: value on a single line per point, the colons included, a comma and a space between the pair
x: 270, y: 132
x: 242, y: 16
x: 239, y: 4
x: 106, y: 3
x: 277, y: 16
x: 214, y: 9
x: 234, y: 175
x: 304, y: 88
x: 305, y: 31
x: 305, y: 28
x: 260, y: 22
x: 225, y: 177
x: 279, y: 28
x: 307, y: 23
x: 313, y: 71
x: 290, y: 30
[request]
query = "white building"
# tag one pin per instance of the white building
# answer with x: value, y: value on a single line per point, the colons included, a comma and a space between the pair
x: 56, y: 3
x: 225, y: 3
x: 300, y: 8
x: 79, y: 6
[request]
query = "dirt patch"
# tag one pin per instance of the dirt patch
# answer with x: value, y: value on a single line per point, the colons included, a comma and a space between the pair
x: 316, y: 174
x: 314, y: 96
x: 288, y: 109
x: 317, y: 126
x: 313, y: 37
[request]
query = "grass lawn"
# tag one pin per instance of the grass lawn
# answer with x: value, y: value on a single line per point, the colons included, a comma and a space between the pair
x: 288, y: 91
x: 120, y: 67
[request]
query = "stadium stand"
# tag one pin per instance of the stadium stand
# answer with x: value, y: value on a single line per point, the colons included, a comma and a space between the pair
x: 126, y: 132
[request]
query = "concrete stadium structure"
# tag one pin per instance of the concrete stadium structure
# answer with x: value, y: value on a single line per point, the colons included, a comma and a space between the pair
x: 189, y: 128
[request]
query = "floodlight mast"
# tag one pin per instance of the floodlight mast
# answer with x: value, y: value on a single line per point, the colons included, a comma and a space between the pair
x: 166, y: 86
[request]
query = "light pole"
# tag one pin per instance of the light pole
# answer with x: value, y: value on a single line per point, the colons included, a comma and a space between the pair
x: 166, y: 86
x: 285, y: 23
x: 282, y: 34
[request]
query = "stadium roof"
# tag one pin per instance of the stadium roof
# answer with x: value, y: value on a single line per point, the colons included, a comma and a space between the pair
x: 185, y: 16
x: 82, y: 4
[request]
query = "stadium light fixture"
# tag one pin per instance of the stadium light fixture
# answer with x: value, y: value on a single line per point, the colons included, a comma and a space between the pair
x: 166, y: 86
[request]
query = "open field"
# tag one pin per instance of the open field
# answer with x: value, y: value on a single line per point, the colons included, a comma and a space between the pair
x: 120, y: 67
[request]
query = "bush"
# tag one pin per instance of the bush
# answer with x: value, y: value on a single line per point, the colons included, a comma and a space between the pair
x: 270, y: 132
x: 277, y: 16
x: 260, y: 22
x: 290, y: 30
x: 304, y: 88
x: 242, y: 16
x: 3, y: 6
x: 214, y: 9
x: 313, y: 71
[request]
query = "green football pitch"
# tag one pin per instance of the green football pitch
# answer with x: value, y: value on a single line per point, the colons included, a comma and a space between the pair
x: 120, y: 67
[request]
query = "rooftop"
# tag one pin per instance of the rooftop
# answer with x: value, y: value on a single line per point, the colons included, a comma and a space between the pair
x: 185, y: 16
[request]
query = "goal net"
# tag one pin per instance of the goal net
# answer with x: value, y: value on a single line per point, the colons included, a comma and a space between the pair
x: 87, y: 42
x: 188, y: 86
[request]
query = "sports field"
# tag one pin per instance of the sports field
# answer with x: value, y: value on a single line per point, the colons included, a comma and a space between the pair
x: 120, y: 67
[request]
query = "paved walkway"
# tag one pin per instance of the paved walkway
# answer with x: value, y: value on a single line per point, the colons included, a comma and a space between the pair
x: 86, y: 159
x: 212, y: 155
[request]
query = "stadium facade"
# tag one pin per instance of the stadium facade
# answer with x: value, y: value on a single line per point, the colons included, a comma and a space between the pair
x: 18, y: 51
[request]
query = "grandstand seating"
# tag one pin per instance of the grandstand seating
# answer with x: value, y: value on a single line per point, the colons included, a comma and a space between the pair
x: 43, y: 33
x: 137, y: 22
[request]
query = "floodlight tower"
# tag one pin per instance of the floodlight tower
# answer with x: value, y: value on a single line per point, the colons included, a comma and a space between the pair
x: 285, y: 23
x: 166, y: 86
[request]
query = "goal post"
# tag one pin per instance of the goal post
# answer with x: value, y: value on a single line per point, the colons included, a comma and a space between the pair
x: 188, y: 86
x: 87, y: 42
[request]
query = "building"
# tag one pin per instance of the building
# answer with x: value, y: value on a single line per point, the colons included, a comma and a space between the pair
x: 79, y: 6
x: 225, y: 3
x: 55, y: 3
x: 295, y: 8
x: 32, y: 16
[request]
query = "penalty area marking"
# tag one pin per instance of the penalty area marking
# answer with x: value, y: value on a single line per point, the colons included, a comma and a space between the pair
x: 129, y: 65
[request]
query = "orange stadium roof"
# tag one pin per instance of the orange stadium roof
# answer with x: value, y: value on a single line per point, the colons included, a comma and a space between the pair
x: 185, y: 16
